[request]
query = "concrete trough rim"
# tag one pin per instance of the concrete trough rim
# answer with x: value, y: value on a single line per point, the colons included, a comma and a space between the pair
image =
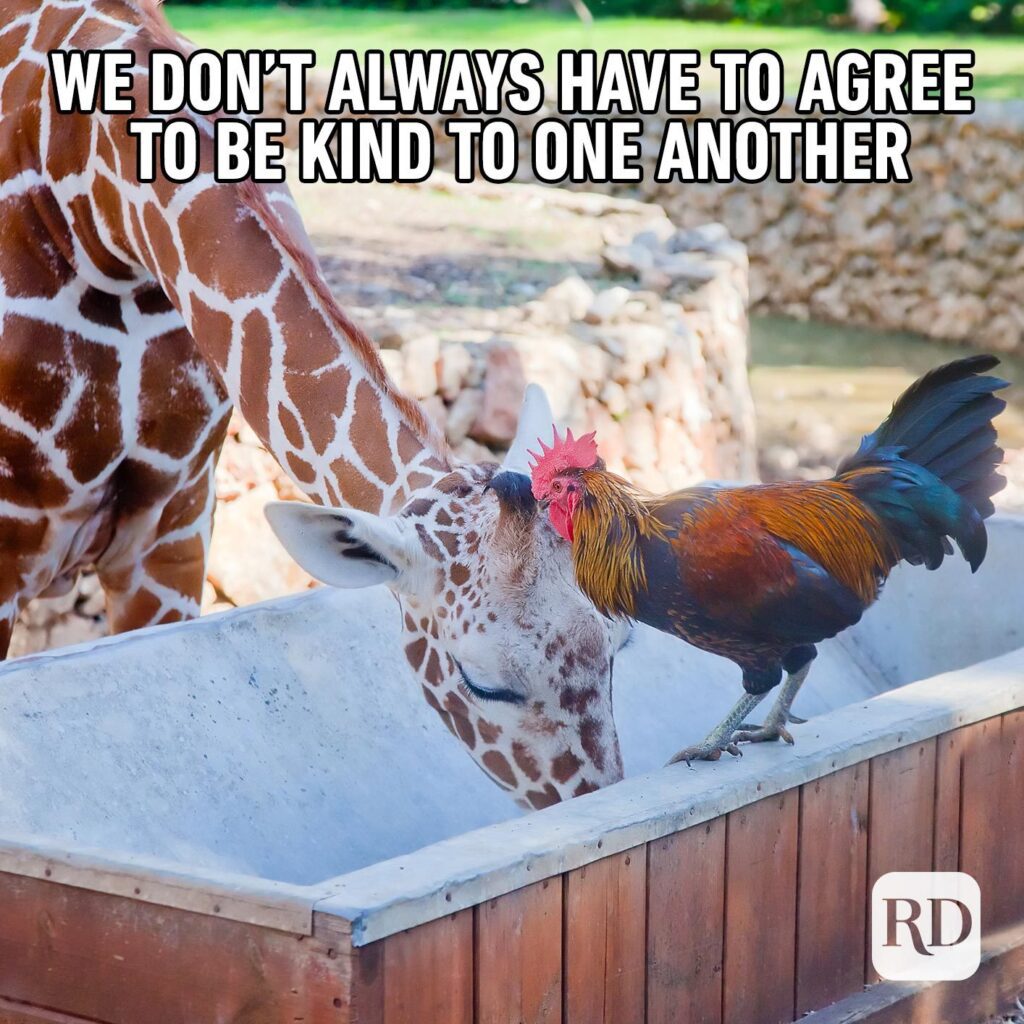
x: 249, y: 899
x: 441, y: 878
x: 465, y: 870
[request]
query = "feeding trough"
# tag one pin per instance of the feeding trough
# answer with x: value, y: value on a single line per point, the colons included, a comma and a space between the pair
x: 254, y: 818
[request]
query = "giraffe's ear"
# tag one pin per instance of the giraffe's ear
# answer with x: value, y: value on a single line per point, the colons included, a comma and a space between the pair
x: 345, y: 547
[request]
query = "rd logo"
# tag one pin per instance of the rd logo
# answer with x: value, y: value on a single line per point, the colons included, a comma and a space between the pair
x: 926, y: 926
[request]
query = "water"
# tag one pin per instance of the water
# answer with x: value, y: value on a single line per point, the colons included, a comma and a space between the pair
x: 827, y: 385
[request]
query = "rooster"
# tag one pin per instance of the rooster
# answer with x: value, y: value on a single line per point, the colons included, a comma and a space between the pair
x: 761, y: 574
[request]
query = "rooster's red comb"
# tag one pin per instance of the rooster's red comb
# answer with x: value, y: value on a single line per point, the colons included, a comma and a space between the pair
x: 563, y: 454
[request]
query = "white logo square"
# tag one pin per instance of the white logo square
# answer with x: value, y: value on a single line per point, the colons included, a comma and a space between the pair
x: 926, y: 926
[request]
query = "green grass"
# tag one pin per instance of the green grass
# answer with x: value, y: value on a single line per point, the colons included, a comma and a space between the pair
x: 999, y: 71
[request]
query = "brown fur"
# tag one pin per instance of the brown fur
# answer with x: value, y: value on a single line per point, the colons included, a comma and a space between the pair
x: 254, y: 197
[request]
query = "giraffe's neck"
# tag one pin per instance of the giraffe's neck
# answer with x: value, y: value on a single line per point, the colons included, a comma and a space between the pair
x: 235, y: 262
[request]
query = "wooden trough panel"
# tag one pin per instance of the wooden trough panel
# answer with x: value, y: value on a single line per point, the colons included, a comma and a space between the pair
x: 734, y: 893
x: 96, y: 957
x: 757, y: 917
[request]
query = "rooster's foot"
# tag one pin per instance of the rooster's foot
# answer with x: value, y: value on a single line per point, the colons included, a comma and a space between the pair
x: 706, y: 752
x: 721, y: 738
x: 767, y: 733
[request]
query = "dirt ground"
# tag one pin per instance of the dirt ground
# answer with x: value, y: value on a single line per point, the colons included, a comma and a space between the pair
x: 455, y: 256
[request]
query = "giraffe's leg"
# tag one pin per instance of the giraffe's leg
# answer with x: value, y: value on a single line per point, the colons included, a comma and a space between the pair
x: 159, y: 577
x: 26, y: 568
x: 774, y: 727
x: 6, y: 629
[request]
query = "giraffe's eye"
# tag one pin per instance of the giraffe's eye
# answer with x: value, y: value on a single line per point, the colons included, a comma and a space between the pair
x: 502, y: 695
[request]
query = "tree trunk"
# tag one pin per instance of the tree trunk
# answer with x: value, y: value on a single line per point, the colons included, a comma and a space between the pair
x: 582, y: 11
x: 866, y: 15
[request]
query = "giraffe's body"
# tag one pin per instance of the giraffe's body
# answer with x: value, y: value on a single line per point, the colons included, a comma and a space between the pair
x: 111, y: 417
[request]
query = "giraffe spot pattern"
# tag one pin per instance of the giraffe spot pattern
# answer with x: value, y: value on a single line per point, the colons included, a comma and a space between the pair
x: 122, y: 267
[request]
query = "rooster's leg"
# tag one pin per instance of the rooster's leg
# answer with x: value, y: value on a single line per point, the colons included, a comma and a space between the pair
x: 779, y: 717
x: 721, y: 737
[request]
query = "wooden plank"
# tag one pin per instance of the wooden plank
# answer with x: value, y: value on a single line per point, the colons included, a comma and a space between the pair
x: 983, y: 836
x: 22, y: 1013
x: 988, y: 993
x: 832, y: 891
x: 949, y: 751
x: 123, y: 961
x: 760, y: 912
x: 428, y: 973
x: 366, y: 1000
x: 605, y: 924
x: 1011, y: 861
x: 901, y: 819
x: 519, y: 956
x: 256, y: 901
x: 685, y: 923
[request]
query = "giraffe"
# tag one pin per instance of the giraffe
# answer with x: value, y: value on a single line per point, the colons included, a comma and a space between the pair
x: 133, y: 316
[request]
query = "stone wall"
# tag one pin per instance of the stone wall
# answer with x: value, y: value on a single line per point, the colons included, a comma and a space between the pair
x: 941, y: 256
x: 656, y: 364
x: 471, y: 292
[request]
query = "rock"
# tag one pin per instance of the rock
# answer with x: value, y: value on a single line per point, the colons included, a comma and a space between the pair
x: 421, y: 357
x: 454, y: 369
x: 628, y: 259
x: 463, y: 413
x: 242, y: 466
x: 655, y: 279
x: 779, y: 462
x: 436, y: 410
x: 504, y: 384
x: 1009, y: 209
x: 698, y: 238
x: 397, y: 331
x: 472, y: 451
x: 606, y: 304
x: 614, y: 399
x: 247, y: 562
x: 640, y: 438
x: 394, y: 364
x: 688, y: 268
x: 1004, y: 333
x: 593, y: 367
x: 571, y: 298
x: 656, y: 236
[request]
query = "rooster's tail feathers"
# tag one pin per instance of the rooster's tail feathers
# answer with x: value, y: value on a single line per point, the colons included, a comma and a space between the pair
x: 929, y: 471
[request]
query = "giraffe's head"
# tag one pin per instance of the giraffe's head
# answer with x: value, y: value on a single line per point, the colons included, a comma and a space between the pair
x: 511, y: 655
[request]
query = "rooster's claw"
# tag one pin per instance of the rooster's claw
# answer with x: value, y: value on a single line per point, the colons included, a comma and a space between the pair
x: 763, y: 734
x: 705, y: 752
